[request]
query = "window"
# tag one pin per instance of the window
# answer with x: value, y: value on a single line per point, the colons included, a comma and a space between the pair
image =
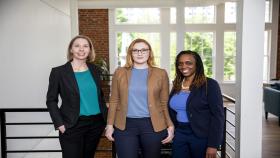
x: 172, y: 55
x: 137, y: 16
x: 124, y: 39
x: 200, y: 15
x: 173, y: 15
x: 198, y: 33
x: 201, y: 42
x: 268, y: 11
x: 266, y: 61
x: 229, y: 56
x: 230, y: 12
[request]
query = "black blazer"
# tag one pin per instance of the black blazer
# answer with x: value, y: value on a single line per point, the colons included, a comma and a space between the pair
x: 205, y: 112
x: 62, y: 83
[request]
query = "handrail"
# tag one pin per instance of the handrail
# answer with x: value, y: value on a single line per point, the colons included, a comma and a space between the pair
x: 4, y: 136
x: 229, y: 98
x: 230, y: 123
x: 230, y: 135
x: 231, y: 111
x: 232, y: 100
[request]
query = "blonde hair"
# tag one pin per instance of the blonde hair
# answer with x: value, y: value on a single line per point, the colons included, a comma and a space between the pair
x: 129, y: 59
x: 91, y: 55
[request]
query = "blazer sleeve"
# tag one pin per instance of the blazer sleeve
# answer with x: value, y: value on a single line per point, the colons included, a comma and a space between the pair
x: 102, y: 96
x: 164, y: 95
x: 52, y: 98
x: 217, y: 114
x: 114, y: 99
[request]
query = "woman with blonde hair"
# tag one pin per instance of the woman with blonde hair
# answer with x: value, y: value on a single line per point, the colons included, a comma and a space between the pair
x: 81, y: 117
x: 138, y: 114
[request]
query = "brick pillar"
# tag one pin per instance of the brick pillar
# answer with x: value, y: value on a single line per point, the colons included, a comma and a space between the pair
x: 94, y: 24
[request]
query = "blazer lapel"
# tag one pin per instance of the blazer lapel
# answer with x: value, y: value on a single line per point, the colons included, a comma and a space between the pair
x: 70, y: 73
x: 150, y: 71
x: 192, y: 94
x: 128, y: 75
x: 93, y: 70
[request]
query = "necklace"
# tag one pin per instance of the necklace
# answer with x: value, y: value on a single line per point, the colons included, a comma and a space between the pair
x: 184, y: 87
x: 79, y: 68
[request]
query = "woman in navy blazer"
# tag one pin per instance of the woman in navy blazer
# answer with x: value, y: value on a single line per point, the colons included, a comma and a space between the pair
x: 81, y: 117
x: 196, y: 109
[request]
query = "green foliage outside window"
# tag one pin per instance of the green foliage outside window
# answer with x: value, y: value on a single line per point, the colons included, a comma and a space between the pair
x: 229, y: 56
x: 201, y: 42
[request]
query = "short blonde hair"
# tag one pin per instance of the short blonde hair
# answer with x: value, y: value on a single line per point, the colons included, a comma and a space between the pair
x: 129, y: 60
x: 91, y: 55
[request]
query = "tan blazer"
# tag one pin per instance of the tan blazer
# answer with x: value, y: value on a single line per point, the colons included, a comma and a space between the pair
x: 158, y: 93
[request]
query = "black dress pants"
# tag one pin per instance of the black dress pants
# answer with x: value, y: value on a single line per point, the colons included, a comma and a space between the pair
x: 81, y: 140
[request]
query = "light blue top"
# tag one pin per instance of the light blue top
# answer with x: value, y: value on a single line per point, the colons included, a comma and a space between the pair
x: 178, y: 103
x: 88, y: 94
x: 138, y: 94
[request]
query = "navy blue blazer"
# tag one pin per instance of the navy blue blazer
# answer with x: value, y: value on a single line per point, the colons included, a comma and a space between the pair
x: 62, y: 82
x: 205, y: 112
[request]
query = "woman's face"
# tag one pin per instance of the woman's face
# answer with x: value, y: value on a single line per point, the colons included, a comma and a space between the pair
x: 187, y: 65
x: 140, y: 53
x: 80, y: 49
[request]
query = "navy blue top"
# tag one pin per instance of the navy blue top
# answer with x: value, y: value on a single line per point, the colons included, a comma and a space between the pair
x: 138, y: 94
x: 178, y: 103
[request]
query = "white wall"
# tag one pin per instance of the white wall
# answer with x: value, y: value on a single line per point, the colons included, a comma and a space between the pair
x: 228, y: 89
x: 34, y: 37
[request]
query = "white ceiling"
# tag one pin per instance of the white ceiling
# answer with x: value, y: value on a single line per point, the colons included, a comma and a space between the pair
x: 91, y: 4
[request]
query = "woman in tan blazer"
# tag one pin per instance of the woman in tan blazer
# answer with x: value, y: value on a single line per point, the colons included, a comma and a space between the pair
x: 138, y: 114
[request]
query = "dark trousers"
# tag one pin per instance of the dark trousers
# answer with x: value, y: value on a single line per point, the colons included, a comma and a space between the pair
x: 138, y: 134
x: 186, y: 144
x: 81, y: 140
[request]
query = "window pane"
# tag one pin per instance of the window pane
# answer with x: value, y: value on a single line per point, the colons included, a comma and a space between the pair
x: 173, y: 15
x: 229, y: 56
x: 267, y: 44
x: 268, y: 10
x: 230, y: 12
x: 125, y: 38
x: 137, y: 15
x: 200, y: 15
x: 265, y: 68
x: 172, y: 55
x: 201, y: 42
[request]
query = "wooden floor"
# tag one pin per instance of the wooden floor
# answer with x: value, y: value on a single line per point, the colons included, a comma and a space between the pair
x: 270, y: 135
x: 271, y: 138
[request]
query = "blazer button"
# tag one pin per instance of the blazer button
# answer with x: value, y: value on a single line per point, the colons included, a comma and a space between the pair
x: 190, y: 115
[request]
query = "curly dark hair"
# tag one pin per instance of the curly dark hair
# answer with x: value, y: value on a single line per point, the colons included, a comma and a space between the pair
x: 199, y: 78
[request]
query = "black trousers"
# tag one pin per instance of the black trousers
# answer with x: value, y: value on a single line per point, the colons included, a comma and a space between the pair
x: 139, y: 134
x: 81, y: 140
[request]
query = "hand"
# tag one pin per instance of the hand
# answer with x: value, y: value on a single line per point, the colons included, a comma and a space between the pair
x: 109, y: 130
x: 211, y: 152
x: 170, y: 131
x: 62, y: 129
